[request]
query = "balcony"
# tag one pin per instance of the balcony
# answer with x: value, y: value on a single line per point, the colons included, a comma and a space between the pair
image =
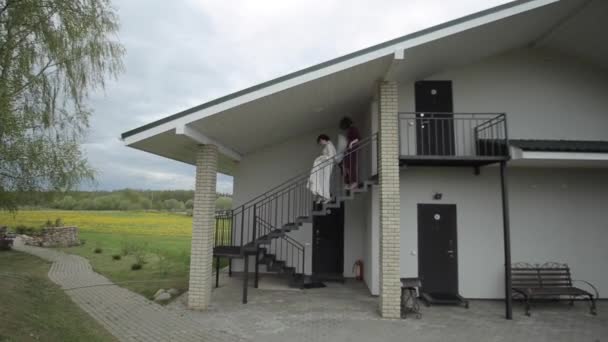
x: 452, y: 139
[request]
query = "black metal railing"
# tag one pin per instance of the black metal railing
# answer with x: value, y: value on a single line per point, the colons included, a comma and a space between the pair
x: 285, y: 248
x: 453, y: 135
x: 292, y: 201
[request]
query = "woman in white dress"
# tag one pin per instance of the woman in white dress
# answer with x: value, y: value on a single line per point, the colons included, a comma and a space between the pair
x: 320, y: 176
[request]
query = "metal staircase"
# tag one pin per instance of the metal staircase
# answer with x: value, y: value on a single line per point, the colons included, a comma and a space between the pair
x: 261, y: 227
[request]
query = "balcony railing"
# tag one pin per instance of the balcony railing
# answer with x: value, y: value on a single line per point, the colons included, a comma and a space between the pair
x: 453, y: 136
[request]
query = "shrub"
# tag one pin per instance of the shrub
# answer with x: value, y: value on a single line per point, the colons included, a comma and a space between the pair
x: 98, y: 248
x: 126, y: 247
x: 136, y: 266
x: 59, y: 222
x: 66, y: 203
x: 189, y: 204
x: 133, y: 248
x: 21, y: 229
x: 116, y: 256
x: 140, y: 256
x: 136, y: 249
x: 185, y: 258
x: 223, y: 203
x: 163, y: 265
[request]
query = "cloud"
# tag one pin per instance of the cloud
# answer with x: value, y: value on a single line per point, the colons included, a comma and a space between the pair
x: 183, y: 53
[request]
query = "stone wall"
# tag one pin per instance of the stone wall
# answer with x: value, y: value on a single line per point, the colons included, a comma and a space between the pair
x: 54, y: 237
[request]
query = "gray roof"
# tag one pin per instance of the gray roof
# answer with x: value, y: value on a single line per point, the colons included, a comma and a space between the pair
x: 323, y: 65
x: 585, y: 146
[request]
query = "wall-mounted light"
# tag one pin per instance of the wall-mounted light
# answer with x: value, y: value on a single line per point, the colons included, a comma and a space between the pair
x: 437, y: 196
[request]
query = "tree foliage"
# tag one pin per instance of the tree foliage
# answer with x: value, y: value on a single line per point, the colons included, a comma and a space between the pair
x: 53, y: 53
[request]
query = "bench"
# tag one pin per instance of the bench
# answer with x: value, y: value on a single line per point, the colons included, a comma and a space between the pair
x: 548, y: 281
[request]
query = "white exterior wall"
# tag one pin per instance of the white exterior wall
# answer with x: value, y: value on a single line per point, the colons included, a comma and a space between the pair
x: 545, y: 95
x: 556, y: 215
x: 260, y: 171
x: 355, y: 216
x: 371, y: 245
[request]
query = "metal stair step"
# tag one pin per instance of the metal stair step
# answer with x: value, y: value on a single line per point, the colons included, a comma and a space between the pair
x: 267, y: 259
x: 304, y: 219
x: 343, y: 198
x: 263, y: 241
x: 332, y: 205
x: 287, y: 227
x: 276, y: 233
x: 360, y: 190
x: 370, y: 183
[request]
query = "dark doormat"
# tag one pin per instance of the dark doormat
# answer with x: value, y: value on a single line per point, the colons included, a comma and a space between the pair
x: 444, y: 299
x: 313, y: 285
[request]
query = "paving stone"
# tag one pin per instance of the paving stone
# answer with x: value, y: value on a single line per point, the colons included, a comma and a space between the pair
x: 126, y: 315
x: 348, y: 313
x: 335, y: 313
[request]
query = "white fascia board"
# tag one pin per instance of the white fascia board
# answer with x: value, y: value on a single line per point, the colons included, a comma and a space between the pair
x: 146, y: 134
x: 399, y: 54
x: 516, y: 152
x: 200, y: 138
x: 334, y: 68
x: 563, y: 156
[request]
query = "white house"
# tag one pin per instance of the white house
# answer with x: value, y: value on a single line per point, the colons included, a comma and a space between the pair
x: 521, y: 91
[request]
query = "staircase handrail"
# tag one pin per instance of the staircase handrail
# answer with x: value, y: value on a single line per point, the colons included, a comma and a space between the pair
x: 287, y: 237
x: 304, y: 175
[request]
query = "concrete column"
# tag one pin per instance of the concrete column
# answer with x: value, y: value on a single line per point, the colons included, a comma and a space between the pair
x: 390, y: 201
x: 203, y: 226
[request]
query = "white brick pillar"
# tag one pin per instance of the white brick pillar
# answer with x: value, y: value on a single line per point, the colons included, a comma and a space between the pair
x: 203, y: 226
x: 390, y: 227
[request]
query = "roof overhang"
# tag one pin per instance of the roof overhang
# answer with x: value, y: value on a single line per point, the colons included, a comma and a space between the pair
x: 522, y: 158
x: 316, y: 97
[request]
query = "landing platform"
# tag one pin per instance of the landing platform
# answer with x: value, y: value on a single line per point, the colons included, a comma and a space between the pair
x: 227, y: 251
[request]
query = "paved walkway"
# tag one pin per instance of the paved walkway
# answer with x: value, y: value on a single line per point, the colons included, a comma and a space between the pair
x: 347, y: 313
x: 126, y: 315
x: 335, y: 313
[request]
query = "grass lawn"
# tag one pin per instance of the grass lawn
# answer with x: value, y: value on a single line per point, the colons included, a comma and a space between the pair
x: 160, y: 233
x: 155, y: 274
x: 32, y: 308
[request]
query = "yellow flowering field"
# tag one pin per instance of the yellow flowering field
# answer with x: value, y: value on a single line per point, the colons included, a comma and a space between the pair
x: 123, y: 222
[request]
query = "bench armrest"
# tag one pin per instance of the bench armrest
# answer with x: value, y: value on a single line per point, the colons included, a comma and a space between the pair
x: 597, y: 293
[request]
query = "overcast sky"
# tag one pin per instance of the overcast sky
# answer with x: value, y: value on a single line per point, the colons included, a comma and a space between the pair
x: 182, y: 53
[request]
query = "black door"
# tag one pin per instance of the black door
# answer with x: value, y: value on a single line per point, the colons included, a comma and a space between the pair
x: 328, y: 243
x: 434, y: 118
x: 437, y: 250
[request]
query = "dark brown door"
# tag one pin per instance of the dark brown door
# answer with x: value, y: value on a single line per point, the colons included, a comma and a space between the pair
x: 437, y: 249
x: 434, y: 118
x: 328, y: 243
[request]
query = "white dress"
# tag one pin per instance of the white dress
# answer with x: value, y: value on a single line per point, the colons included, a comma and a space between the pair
x: 320, y: 175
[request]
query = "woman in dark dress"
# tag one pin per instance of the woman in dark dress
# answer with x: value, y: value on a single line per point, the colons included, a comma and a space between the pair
x: 350, y: 164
